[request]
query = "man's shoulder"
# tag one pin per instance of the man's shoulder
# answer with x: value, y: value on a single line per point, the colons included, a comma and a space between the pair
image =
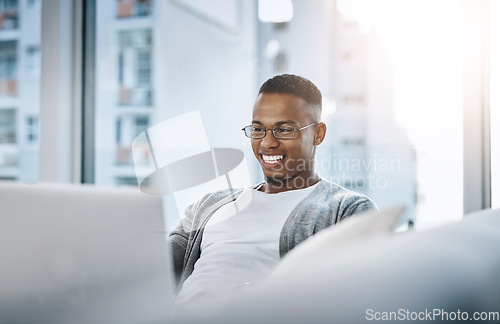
x: 337, y: 194
x: 333, y: 189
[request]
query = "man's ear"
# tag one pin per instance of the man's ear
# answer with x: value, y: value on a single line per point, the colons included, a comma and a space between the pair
x: 319, y: 136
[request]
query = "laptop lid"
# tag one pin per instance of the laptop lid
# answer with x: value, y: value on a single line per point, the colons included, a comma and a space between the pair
x: 82, y: 254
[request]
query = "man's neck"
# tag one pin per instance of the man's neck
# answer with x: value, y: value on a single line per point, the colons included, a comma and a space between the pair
x: 273, y: 186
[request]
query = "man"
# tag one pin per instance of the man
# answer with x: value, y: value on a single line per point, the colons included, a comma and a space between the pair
x: 233, y: 238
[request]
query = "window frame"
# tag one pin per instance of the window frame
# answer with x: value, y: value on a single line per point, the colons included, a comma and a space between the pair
x: 61, y: 137
x: 477, y: 151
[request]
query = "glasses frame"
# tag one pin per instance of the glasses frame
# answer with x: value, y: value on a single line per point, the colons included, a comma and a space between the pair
x: 274, y: 130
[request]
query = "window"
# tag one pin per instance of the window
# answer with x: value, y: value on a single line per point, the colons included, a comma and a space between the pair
x: 134, y: 68
x: 141, y: 123
x: 32, y: 130
x: 8, y: 68
x: 20, y: 66
x: 393, y: 90
x: 33, y: 61
x: 126, y: 181
x: 127, y: 128
x: 133, y: 8
x: 7, y: 126
x: 9, y: 155
x: 144, y: 68
x: 33, y: 4
x: 9, y: 18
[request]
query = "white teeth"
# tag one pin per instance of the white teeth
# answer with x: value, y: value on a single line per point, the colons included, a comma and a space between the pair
x: 272, y: 158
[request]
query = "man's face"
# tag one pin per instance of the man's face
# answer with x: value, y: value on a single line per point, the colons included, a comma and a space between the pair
x: 285, y: 161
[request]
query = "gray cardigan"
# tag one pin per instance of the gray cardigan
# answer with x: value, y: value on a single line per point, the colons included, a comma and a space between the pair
x: 326, y: 205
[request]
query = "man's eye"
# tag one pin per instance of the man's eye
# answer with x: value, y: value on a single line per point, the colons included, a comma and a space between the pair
x: 257, y: 129
x: 285, y: 130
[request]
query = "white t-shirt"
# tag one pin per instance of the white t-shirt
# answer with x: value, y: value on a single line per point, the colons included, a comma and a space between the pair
x: 240, y: 243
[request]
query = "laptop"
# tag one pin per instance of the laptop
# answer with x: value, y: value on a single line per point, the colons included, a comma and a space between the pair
x: 82, y: 254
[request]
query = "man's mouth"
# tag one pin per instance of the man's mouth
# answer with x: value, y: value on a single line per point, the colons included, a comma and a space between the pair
x: 272, y: 160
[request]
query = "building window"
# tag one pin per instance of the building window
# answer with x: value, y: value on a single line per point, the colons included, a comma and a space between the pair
x: 8, y: 126
x: 8, y: 68
x: 9, y: 17
x: 144, y: 67
x: 118, y: 130
x: 127, y: 128
x: 134, y: 68
x: 133, y: 8
x: 141, y: 124
x: 126, y: 181
x: 32, y: 130
x: 33, y: 61
x: 33, y: 4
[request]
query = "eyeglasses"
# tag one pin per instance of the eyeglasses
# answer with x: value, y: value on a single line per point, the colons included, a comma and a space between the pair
x: 280, y: 132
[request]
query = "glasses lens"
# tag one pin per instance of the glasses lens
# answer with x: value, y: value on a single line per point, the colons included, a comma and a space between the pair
x: 255, y: 132
x: 284, y: 132
x: 247, y: 130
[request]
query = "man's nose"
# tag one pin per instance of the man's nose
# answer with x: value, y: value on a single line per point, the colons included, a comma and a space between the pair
x: 269, y: 140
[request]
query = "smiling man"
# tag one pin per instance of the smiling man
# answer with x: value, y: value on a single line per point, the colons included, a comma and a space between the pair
x: 291, y: 114
x: 233, y: 238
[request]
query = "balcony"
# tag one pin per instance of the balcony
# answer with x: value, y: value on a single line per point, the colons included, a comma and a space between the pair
x: 140, y: 156
x: 135, y: 96
x: 133, y: 8
x: 8, y: 87
x: 124, y: 156
x: 9, y: 19
x: 9, y: 156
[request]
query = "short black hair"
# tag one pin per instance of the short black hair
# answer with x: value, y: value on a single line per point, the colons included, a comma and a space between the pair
x: 294, y: 85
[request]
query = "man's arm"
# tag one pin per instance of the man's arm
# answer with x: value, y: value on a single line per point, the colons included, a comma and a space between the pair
x: 363, y: 206
x: 359, y: 206
x: 177, y: 242
x: 178, y: 239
